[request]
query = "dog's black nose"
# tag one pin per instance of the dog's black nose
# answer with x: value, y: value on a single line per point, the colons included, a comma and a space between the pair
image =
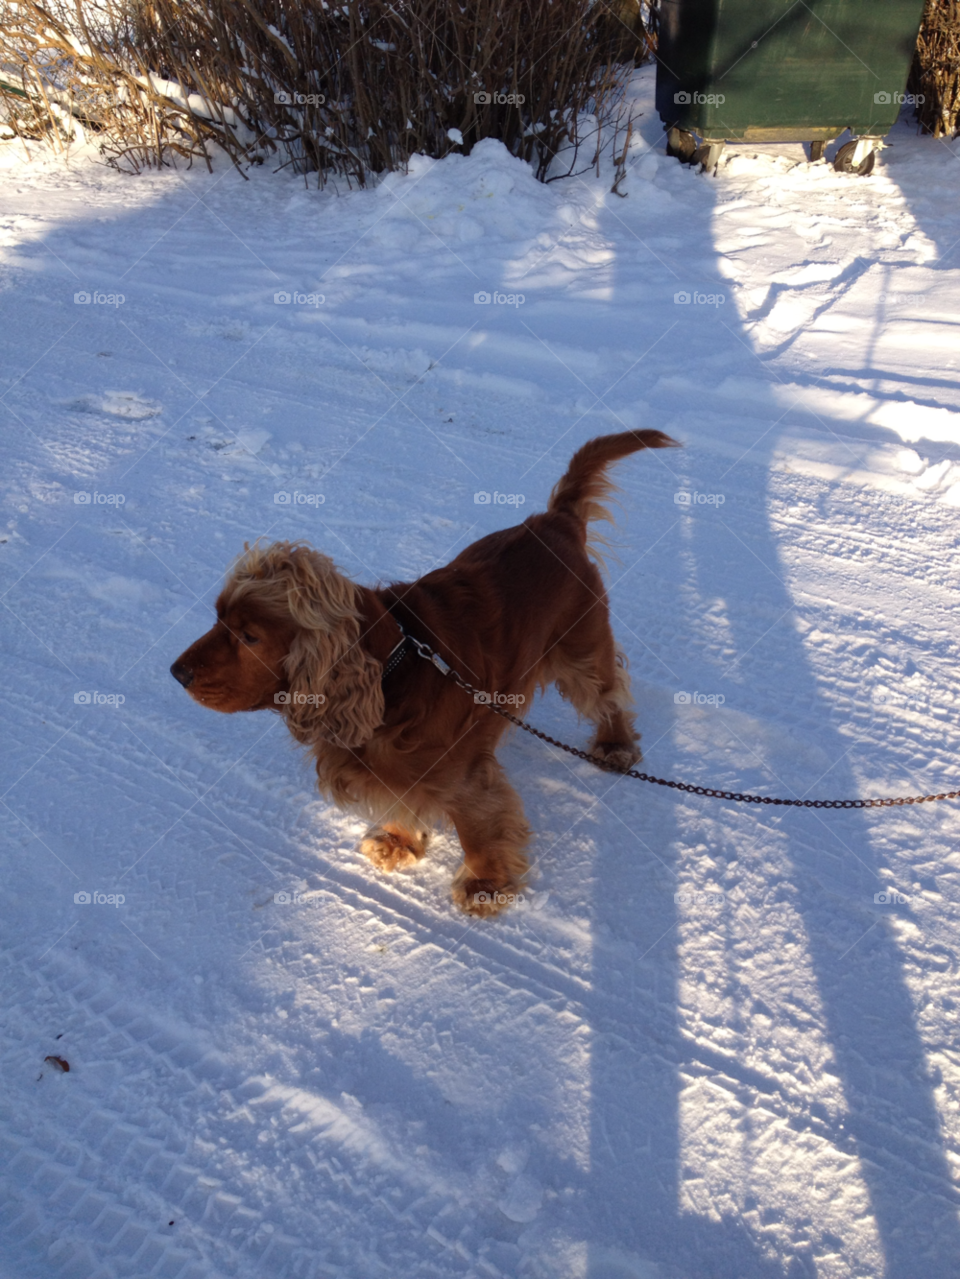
x: 181, y: 674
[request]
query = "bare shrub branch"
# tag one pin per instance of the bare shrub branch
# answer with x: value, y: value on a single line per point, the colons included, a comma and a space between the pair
x: 352, y: 89
x: 936, y: 69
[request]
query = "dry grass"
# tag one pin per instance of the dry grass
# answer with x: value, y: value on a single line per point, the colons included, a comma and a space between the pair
x: 352, y: 90
x: 68, y: 72
x: 936, y: 69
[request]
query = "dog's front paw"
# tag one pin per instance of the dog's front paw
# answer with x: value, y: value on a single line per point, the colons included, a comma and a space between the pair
x: 619, y: 757
x: 392, y: 850
x: 482, y: 897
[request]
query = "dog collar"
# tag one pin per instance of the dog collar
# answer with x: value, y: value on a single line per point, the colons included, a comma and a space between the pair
x: 396, y: 654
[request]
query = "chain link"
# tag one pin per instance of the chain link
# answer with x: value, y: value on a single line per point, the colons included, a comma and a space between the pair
x: 735, y: 796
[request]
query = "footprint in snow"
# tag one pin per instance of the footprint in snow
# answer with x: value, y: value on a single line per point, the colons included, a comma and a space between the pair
x: 523, y: 1199
x: 125, y: 404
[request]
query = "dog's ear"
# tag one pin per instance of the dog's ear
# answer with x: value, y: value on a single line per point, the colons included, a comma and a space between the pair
x: 335, y: 692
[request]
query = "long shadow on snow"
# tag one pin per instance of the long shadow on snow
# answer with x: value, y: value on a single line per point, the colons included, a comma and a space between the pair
x: 639, y: 1049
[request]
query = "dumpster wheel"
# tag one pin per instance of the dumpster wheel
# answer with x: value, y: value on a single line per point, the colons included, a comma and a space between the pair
x: 844, y: 161
x: 681, y: 144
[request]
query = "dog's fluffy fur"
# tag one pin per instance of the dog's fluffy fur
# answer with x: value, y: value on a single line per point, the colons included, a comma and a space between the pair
x: 518, y: 609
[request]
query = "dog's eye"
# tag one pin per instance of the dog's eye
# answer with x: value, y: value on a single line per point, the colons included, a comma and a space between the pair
x: 248, y: 638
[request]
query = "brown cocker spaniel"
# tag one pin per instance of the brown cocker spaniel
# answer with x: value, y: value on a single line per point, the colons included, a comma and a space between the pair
x: 391, y: 735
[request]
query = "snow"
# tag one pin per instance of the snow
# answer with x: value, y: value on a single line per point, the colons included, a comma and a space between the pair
x: 704, y: 1048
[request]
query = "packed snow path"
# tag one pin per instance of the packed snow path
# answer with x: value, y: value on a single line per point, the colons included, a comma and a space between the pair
x: 717, y: 1043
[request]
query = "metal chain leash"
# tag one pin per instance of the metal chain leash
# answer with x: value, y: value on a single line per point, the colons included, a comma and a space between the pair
x: 735, y: 796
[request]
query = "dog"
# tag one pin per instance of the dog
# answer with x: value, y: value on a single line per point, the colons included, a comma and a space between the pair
x: 392, y: 736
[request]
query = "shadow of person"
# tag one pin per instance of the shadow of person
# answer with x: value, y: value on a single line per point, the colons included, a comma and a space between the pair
x: 715, y: 1143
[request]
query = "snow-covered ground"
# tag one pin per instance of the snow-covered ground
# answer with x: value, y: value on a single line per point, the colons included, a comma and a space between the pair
x: 704, y: 1049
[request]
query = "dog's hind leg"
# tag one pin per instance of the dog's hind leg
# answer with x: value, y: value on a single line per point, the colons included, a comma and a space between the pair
x: 489, y: 819
x: 591, y: 673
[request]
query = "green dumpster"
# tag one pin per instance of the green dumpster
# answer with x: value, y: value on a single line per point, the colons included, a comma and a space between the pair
x: 783, y: 71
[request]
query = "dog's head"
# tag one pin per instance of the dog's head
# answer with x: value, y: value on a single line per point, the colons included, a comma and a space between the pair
x: 288, y: 638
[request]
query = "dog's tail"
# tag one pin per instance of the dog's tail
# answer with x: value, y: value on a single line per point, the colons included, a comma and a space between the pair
x: 585, y: 487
